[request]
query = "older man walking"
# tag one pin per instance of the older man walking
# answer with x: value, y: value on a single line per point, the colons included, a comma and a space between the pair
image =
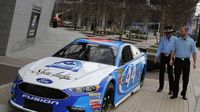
x: 184, y: 47
x: 164, y: 50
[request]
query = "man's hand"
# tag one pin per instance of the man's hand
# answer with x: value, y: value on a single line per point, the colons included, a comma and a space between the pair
x: 194, y: 66
x: 171, y: 62
x: 194, y: 55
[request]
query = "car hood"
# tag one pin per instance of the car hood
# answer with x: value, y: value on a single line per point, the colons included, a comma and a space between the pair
x: 61, y: 73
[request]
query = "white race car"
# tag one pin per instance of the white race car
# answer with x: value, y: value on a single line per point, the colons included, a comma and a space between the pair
x: 88, y: 75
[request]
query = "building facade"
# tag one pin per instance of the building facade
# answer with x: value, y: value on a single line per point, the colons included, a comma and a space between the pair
x: 22, y: 23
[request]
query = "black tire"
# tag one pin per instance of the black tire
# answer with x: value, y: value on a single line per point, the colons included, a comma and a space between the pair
x: 142, y: 79
x: 108, y: 99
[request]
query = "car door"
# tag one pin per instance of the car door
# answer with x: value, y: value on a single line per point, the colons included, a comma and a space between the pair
x: 126, y: 72
x: 137, y: 63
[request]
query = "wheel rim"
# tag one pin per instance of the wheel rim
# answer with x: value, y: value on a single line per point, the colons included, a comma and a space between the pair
x: 107, y: 101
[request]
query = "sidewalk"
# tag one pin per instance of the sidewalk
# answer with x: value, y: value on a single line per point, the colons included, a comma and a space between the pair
x: 148, y: 100
x: 14, y: 62
x: 145, y: 100
x: 55, y: 40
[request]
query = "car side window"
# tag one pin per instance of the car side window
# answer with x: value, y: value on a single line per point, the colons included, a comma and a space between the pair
x: 126, y: 55
x: 135, y: 51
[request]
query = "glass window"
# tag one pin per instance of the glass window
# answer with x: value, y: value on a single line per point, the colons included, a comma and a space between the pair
x: 89, y: 52
x: 126, y: 55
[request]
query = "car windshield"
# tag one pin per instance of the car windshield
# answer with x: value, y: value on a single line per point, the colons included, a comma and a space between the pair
x: 89, y: 52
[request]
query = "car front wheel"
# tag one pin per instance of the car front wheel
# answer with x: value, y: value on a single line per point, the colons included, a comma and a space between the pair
x: 108, y: 98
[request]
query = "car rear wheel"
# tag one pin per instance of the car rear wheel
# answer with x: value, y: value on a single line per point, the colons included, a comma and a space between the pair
x: 108, y: 98
x: 142, y: 79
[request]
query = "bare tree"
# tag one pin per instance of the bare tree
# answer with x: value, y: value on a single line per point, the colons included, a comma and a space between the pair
x: 174, y: 12
x: 121, y: 13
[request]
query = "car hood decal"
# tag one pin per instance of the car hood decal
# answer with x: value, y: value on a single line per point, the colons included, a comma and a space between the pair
x: 66, y: 73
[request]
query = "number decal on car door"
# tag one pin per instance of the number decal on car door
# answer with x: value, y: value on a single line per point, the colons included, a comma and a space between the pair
x: 126, y: 78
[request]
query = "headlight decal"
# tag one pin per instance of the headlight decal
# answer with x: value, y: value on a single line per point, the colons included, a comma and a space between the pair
x: 86, y: 89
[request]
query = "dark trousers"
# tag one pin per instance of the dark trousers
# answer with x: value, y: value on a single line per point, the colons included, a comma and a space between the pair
x: 181, y: 67
x: 164, y: 60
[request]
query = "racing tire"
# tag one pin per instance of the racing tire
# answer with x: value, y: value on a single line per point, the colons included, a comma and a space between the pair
x: 108, y: 99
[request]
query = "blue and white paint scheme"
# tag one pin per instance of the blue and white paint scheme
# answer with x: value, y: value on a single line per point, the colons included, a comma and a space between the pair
x: 83, y: 82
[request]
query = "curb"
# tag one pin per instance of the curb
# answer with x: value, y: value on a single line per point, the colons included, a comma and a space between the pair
x: 11, y: 65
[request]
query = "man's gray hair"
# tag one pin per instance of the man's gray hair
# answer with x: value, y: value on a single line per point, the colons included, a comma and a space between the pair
x: 185, y: 28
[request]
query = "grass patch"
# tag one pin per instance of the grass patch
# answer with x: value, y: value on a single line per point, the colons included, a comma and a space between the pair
x: 154, y: 46
x: 152, y: 50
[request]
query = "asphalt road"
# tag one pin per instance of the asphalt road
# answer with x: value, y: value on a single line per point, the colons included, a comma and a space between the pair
x: 7, y: 74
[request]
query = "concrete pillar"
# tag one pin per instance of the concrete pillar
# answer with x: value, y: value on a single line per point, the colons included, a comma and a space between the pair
x: 7, y: 8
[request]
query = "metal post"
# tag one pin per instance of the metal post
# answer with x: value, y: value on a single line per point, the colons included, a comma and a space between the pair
x: 198, y: 38
x: 197, y: 26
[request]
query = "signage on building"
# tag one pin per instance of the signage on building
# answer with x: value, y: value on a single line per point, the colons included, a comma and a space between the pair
x: 33, y: 25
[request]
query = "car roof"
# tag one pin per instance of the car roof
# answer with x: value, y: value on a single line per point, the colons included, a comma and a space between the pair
x: 100, y: 41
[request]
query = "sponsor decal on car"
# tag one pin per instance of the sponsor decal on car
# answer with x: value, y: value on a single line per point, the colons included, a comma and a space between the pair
x: 126, y: 78
x: 33, y: 98
x: 95, y: 100
x: 96, y: 106
x: 73, y: 66
x: 99, y: 40
x: 95, y: 96
x: 60, y: 75
x: 44, y: 80
x: 120, y: 71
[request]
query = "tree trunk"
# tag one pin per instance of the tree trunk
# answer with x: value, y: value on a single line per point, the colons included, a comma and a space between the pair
x: 79, y: 20
x: 94, y: 25
x: 123, y: 18
x: 103, y: 20
x: 162, y: 24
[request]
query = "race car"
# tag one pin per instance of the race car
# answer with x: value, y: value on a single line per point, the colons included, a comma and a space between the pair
x: 88, y: 75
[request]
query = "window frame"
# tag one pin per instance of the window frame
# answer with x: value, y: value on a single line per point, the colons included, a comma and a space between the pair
x: 121, y: 53
x: 135, y: 56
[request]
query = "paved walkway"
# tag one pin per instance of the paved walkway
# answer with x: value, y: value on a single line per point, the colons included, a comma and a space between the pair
x: 15, y: 62
x: 148, y: 100
x: 145, y: 100
x: 55, y: 39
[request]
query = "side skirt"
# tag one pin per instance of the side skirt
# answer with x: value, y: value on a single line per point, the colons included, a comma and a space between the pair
x: 129, y: 94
